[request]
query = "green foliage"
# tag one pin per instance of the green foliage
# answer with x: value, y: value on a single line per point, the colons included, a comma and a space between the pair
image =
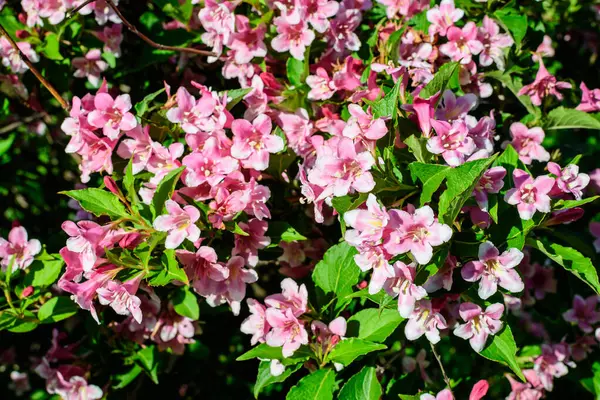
x: 99, y: 202
x: 56, y: 309
x: 319, y: 385
x: 185, y: 303
x: 346, y: 351
x: 503, y: 349
x: 337, y: 273
x: 374, y: 324
x: 362, y: 386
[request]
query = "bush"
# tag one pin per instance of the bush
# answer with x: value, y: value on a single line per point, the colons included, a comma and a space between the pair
x: 311, y: 199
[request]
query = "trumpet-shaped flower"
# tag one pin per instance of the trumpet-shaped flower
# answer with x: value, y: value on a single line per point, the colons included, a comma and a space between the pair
x: 529, y: 195
x: 179, y: 223
x: 479, y: 324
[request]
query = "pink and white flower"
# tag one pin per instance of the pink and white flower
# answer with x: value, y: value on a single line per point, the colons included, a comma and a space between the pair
x: 363, y: 126
x: 112, y: 115
x: 286, y: 332
x: 425, y: 320
x: 293, y: 35
x: 462, y: 43
x: 490, y: 182
x: 590, y: 99
x: 569, y: 180
x: 583, y: 313
x: 401, y: 284
x: 179, y: 223
x: 452, y: 141
x: 479, y: 324
x: 253, y: 142
x: 11, y: 58
x: 18, y: 251
x: 530, y: 195
x: 528, y: 143
x: 91, y: 67
x: 543, y: 86
x: 256, y: 324
x: 443, y: 17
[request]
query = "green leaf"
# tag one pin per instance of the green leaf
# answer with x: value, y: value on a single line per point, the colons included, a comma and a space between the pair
x: 99, y: 202
x: 129, y: 183
x: 514, y: 86
x: 513, y: 21
x: 362, y: 386
x: 440, y: 81
x: 317, y: 386
x: 567, y: 118
x: 297, y: 71
x: 346, y: 203
x: 110, y: 59
x: 7, y: 320
x: 234, y: 96
x: 43, y: 273
x: 566, y: 204
x: 164, y: 190
x: 503, y: 349
x: 26, y: 324
x: 6, y: 144
x: 348, y: 350
x: 374, y: 324
x: 571, y: 260
x: 169, y: 272
x: 282, y: 231
x: 337, y: 272
x: 142, y: 107
x: 185, y: 303
x: 56, y: 309
x: 266, y: 352
x: 264, y: 377
x: 431, y: 175
x: 149, y: 359
x: 460, y: 182
x: 388, y: 105
x: 51, y: 47
x: 418, y: 146
x: 123, y: 380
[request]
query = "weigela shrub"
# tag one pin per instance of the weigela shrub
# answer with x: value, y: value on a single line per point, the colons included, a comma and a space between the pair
x: 391, y: 199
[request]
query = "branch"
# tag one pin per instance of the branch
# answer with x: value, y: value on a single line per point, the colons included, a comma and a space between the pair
x: 439, y: 360
x: 145, y: 38
x: 14, y: 125
x: 37, y: 74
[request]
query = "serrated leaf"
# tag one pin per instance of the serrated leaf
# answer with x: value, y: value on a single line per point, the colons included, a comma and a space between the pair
x: 568, y: 118
x: 317, y: 386
x: 43, y: 273
x: 388, y: 105
x: 164, y: 190
x: 362, y: 386
x: 440, y: 81
x: 431, y: 175
x: 513, y: 21
x: 374, y: 324
x: 503, y: 349
x: 169, y: 272
x: 185, y: 304
x: 337, y: 273
x: 514, y: 87
x: 142, y: 107
x: 266, y: 352
x: 571, y: 260
x: 51, y: 47
x: 129, y: 183
x: 264, y: 377
x: 99, y: 202
x: 348, y: 350
x: 56, y: 309
x: 418, y: 146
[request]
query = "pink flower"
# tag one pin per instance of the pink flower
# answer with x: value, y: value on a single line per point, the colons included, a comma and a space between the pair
x: 252, y: 142
x: 462, y: 43
x: 368, y: 224
x: 377, y: 259
x: 528, y: 143
x: 445, y: 394
x: 256, y: 324
x: 424, y: 110
x: 452, y: 108
x: 12, y: 59
x: 203, y: 269
x: 363, y: 126
x: 18, y: 250
x: 286, y: 331
x: 85, y: 238
x: 179, y: 223
x: 173, y: 331
x: 293, y: 35
x: 193, y: 115
x: 103, y: 13
x: 544, y: 85
x: 318, y: 12
x: 298, y: 129
x: 595, y: 231
x: 590, y: 99
x: 340, y: 169
x: 531, y: 390
x: 569, y: 180
x: 121, y: 297
x: 425, y: 320
x: 530, y: 195
x: 341, y: 34
x: 406, y: 8
x: 233, y: 289
x: 247, y: 42
x: 137, y: 147
x: 293, y: 297
x: 401, y: 284
x: 321, y: 86
x: 490, y: 182
x: 479, y: 390
x: 443, y: 278
x: 91, y: 67
x: 415, y: 231
x: 112, y: 37
x: 545, y: 49
x: 112, y: 115
x: 248, y: 246
x: 349, y: 76
x: 493, y: 43
x: 210, y: 165
x: 479, y: 324
x: 77, y: 388
x: 452, y: 141
x: 218, y: 20
x: 494, y: 269
x: 552, y: 364
x: 583, y: 313
x: 443, y: 17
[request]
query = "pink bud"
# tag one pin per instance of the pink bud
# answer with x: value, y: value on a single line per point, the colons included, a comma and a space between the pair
x: 27, y: 292
x: 21, y: 34
x: 111, y: 185
x: 23, y: 18
x: 131, y: 240
x: 565, y: 216
x: 479, y: 390
x: 362, y: 285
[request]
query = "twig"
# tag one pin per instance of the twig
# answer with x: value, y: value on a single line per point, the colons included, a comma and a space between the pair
x: 439, y: 360
x: 14, y: 125
x: 37, y: 74
x: 145, y: 38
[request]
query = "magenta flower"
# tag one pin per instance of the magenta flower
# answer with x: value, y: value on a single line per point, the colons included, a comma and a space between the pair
x: 179, y: 223
x: 341, y: 34
x: 590, y: 99
x: 252, y: 142
x: 443, y: 17
x: 415, y: 231
x: 494, y: 43
x: 193, y: 115
x: 247, y: 43
x: 530, y: 195
x: 210, y: 165
x: 494, y: 269
x: 121, y: 297
x: 452, y: 108
x: 112, y: 115
x: 569, y: 180
x: 490, y: 182
x: 443, y: 278
x: 445, y: 394
x: 318, y: 13
x: 401, y: 284
x: 248, y: 246
x: 545, y: 49
x: 286, y: 332
x: 363, y: 126
x: 343, y: 169
x: 293, y: 297
x: 112, y: 37
x: 137, y: 147
x: 368, y: 224
x: 203, y: 269
x: 583, y: 313
x: 479, y: 324
x: 321, y: 86
x: 256, y: 324
x: 543, y: 86
x: 12, y: 59
x: 552, y: 364
x: 424, y: 110
x: 91, y: 67
x: 595, y: 231
x: 349, y: 75
x: 85, y: 238
x: 425, y: 320
x: 18, y: 250
x: 528, y: 143
x: 377, y: 259
x: 462, y: 43
x: 293, y: 35
x: 531, y: 390
x: 452, y: 141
